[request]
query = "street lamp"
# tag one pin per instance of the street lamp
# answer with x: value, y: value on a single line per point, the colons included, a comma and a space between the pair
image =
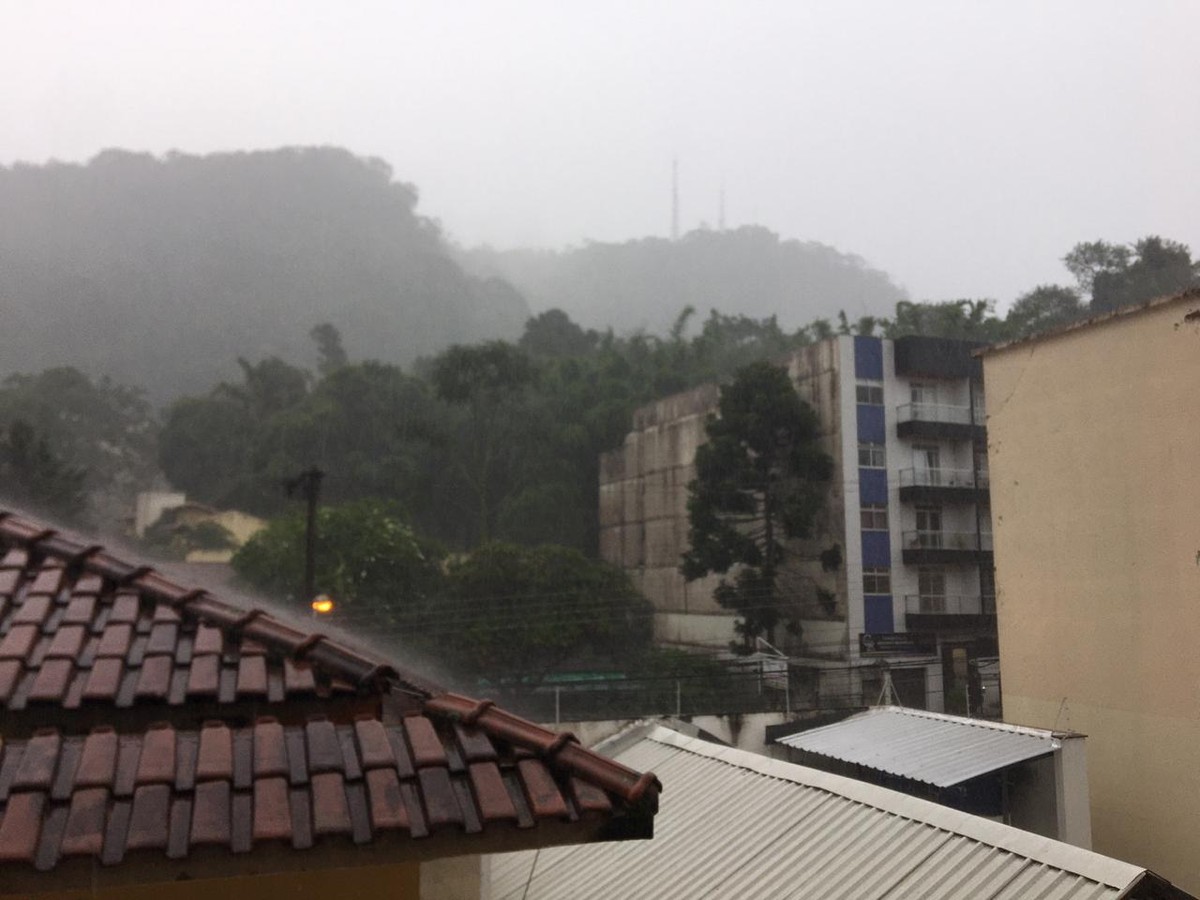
x: 322, y: 605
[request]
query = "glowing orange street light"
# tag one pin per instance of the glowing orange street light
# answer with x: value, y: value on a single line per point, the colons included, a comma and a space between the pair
x: 322, y: 604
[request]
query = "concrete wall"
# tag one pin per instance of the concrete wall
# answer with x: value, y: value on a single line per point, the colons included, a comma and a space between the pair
x: 1093, y: 449
x: 643, y: 515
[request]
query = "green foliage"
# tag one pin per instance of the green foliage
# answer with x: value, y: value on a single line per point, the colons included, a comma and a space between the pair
x: 760, y: 479
x: 34, y: 477
x: 965, y: 320
x: 103, y: 429
x: 368, y: 558
x: 1123, y: 276
x: 1046, y: 306
x: 513, y: 614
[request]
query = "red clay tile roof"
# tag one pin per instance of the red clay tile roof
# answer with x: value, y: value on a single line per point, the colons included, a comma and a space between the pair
x: 125, y: 666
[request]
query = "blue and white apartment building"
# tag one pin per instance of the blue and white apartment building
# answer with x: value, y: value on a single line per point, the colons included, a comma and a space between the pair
x: 905, y: 423
x: 911, y: 592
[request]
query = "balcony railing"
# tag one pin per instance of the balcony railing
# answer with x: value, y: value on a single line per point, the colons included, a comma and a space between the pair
x: 954, y: 478
x: 947, y: 540
x: 949, y: 605
x: 939, y: 412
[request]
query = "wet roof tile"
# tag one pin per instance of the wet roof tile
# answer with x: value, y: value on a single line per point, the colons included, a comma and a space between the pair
x: 79, y: 626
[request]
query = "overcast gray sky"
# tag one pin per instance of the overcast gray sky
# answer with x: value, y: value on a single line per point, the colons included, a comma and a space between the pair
x: 962, y: 146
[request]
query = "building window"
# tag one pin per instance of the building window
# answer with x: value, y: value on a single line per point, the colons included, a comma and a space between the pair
x: 869, y: 392
x: 923, y: 393
x: 874, y: 517
x: 931, y: 586
x: 877, y: 580
x: 871, y: 456
x: 929, y: 527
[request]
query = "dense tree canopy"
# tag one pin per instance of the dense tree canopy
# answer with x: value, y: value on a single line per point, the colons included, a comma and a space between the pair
x: 760, y: 481
x: 513, y: 614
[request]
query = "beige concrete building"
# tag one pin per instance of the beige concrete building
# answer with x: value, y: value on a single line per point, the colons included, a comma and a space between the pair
x: 1093, y: 450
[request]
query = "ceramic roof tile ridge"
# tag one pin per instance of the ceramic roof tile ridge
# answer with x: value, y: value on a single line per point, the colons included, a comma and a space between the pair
x: 562, y: 748
x: 339, y: 660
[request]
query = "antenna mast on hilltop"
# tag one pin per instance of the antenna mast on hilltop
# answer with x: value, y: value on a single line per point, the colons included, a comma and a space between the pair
x: 721, y: 211
x: 675, y: 199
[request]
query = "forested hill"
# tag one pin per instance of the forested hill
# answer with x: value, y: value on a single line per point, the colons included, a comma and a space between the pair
x: 644, y: 284
x: 160, y: 272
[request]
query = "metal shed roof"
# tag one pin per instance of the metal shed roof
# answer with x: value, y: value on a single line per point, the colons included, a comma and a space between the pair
x: 736, y: 824
x: 938, y: 749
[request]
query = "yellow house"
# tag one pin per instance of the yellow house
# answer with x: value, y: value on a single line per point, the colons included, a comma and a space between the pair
x: 1093, y: 447
x: 159, y: 742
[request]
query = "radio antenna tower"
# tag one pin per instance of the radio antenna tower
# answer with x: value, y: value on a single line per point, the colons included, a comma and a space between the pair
x: 721, y: 211
x: 675, y: 199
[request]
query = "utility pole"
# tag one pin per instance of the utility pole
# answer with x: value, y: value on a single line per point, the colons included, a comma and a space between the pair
x: 308, y: 485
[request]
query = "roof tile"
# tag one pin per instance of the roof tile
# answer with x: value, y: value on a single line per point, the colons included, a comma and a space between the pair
x: 19, y: 641
x: 208, y: 640
x: 33, y: 611
x: 491, y: 795
x: 157, y: 762
x: 324, y: 750
x: 125, y: 608
x: 148, y: 823
x: 38, y: 763
x: 441, y: 804
x: 272, y: 811
x: 427, y: 747
x: 387, y: 806
x: 270, y: 752
x: 216, y: 752
x: 115, y: 640
x: 329, y: 810
x: 163, y: 638
x: 252, y: 676
x: 210, y: 813
x: 10, y: 674
x: 155, y: 678
x: 204, y: 676
x: 52, y: 680
x: 48, y: 582
x: 374, y: 748
x: 104, y: 680
x: 98, y: 764
x: 545, y: 800
x: 84, y: 835
x: 67, y: 643
x: 80, y: 610
x: 21, y: 826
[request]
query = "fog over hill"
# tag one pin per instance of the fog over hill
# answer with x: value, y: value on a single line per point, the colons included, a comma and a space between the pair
x: 160, y: 272
x: 644, y: 284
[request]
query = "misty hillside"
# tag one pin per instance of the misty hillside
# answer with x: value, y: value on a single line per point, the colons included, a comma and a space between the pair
x: 161, y: 272
x: 644, y: 284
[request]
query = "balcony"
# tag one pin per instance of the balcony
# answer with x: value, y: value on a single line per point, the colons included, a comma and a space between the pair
x: 939, y: 420
x: 946, y: 547
x: 943, y: 486
x: 924, y: 612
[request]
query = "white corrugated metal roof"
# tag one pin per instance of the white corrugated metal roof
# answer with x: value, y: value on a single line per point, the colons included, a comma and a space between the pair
x: 736, y: 824
x: 931, y: 747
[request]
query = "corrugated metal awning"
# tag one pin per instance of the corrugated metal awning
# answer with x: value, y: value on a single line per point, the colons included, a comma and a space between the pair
x: 934, y: 748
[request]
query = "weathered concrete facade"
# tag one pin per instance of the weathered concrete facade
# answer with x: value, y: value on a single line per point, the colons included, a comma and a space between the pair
x: 644, y: 520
